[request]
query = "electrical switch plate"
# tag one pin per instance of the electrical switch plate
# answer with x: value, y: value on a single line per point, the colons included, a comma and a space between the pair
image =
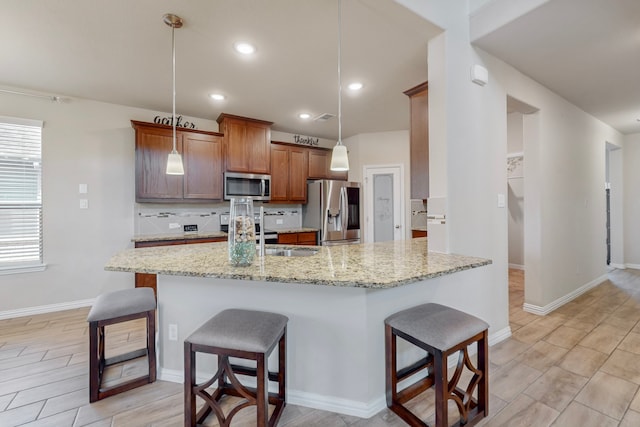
x: 84, y: 203
x: 501, y: 201
x: 82, y: 188
x: 279, y: 221
x: 174, y: 225
x: 173, y: 332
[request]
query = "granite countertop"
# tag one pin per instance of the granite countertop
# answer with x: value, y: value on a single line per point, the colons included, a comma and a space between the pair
x: 178, y: 236
x: 368, y: 265
x: 295, y: 230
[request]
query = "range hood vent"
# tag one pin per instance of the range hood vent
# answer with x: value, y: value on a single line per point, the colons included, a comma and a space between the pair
x: 324, y: 117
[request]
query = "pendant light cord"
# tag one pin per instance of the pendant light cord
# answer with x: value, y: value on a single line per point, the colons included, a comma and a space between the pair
x: 339, y: 75
x: 173, y: 57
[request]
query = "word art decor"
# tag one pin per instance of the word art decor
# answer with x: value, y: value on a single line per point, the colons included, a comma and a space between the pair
x: 306, y: 140
x: 169, y: 121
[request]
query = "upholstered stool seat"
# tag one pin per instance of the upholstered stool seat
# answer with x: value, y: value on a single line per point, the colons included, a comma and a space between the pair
x: 117, y: 307
x: 440, y: 331
x: 246, y: 334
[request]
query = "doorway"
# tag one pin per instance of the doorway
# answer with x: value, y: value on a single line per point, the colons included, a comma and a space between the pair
x: 384, y: 207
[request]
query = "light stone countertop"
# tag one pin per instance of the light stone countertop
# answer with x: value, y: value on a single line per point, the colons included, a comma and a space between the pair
x: 178, y: 236
x: 368, y: 265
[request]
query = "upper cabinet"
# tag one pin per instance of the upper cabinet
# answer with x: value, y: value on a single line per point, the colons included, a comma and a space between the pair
x: 320, y: 165
x: 201, y: 155
x: 289, y: 172
x: 419, y: 137
x: 247, y: 144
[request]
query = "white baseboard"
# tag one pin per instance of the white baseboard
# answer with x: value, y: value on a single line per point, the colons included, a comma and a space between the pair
x: 517, y: 266
x: 619, y: 266
x: 328, y: 403
x: 544, y: 310
x: 43, y: 309
x: 300, y: 398
x: 633, y: 266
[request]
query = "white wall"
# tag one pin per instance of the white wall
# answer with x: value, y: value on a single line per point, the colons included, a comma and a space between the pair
x: 565, y: 167
x: 377, y: 149
x: 82, y: 142
x: 632, y: 200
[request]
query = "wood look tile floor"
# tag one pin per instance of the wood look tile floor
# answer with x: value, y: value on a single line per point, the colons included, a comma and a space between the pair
x: 578, y: 366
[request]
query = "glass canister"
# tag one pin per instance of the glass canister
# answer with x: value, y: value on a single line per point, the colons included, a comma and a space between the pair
x: 242, y: 232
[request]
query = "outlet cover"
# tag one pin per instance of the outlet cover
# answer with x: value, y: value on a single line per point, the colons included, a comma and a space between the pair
x: 173, y: 332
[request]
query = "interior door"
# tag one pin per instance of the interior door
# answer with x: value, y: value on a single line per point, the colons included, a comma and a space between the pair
x: 384, y: 203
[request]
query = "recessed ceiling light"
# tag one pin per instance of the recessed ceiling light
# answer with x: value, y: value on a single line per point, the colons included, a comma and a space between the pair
x: 217, y: 96
x: 355, y: 86
x: 244, y: 48
x: 304, y: 116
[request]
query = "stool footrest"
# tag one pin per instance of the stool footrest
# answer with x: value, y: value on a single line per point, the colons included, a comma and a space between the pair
x: 245, y: 370
x: 125, y: 386
x: 126, y: 357
x: 410, y: 370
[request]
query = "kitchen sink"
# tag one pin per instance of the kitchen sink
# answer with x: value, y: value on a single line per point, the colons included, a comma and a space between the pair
x: 290, y: 252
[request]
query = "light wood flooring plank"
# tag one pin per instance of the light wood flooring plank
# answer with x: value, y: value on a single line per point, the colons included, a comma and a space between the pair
x: 64, y: 402
x: 21, y: 415
x: 51, y: 390
x: 63, y: 419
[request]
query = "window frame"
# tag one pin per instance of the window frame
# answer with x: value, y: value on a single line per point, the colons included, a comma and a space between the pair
x: 13, y: 267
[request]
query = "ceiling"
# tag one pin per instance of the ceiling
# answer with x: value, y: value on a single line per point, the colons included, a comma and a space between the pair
x: 119, y: 51
x: 587, y: 51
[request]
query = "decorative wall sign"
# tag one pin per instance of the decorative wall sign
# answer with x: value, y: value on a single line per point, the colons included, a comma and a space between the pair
x: 306, y: 140
x: 169, y: 121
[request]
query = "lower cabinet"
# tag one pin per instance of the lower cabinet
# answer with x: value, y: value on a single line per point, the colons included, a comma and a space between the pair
x: 418, y: 233
x: 144, y: 280
x: 308, y: 238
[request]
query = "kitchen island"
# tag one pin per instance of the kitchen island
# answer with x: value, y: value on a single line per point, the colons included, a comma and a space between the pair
x: 336, y: 301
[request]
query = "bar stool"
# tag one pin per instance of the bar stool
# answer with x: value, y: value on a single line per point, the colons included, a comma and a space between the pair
x: 441, y: 331
x: 237, y: 333
x: 117, y: 307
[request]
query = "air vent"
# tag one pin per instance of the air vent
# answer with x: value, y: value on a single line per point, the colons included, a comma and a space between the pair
x: 324, y: 117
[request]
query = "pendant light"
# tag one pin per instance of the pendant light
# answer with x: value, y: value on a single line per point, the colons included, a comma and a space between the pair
x: 339, y: 157
x: 174, y: 161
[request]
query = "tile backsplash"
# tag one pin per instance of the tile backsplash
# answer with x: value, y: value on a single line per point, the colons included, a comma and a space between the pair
x: 153, y: 219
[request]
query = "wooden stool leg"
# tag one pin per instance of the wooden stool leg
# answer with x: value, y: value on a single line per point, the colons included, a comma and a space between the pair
x: 189, y: 383
x: 262, y: 391
x: 151, y: 344
x: 94, y: 374
x: 483, y: 364
x: 282, y: 367
x: 391, y: 380
x: 441, y: 383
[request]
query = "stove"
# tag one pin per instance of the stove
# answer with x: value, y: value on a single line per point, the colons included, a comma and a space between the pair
x: 270, y: 236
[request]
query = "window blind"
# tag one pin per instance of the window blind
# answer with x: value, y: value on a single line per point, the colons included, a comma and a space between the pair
x: 20, y: 193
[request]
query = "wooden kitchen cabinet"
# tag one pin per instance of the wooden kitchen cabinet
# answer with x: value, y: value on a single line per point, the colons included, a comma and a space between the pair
x: 320, y: 165
x: 289, y: 172
x: 419, y: 140
x: 307, y: 238
x: 202, y: 159
x: 247, y: 144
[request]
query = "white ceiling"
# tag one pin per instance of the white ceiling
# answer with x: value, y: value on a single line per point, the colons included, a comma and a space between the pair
x: 119, y: 51
x: 588, y: 51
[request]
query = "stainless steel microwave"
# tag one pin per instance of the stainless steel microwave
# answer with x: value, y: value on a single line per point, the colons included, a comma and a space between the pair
x: 255, y: 186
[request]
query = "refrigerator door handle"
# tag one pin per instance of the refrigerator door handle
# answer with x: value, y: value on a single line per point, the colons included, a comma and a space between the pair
x: 344, y: 209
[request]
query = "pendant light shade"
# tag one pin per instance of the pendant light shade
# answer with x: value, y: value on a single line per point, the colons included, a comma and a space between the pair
x: 174, y: 161
x: 339, y: 157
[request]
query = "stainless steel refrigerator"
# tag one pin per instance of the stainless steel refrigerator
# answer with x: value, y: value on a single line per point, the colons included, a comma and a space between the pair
x: 333, y: 207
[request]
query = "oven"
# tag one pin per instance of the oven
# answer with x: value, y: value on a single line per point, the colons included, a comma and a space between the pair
x: 270, y: 236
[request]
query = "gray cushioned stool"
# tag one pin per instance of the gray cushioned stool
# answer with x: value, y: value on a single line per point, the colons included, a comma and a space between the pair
x: 440, y: 331
x: 245, y: 334
x: 117, y: 307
